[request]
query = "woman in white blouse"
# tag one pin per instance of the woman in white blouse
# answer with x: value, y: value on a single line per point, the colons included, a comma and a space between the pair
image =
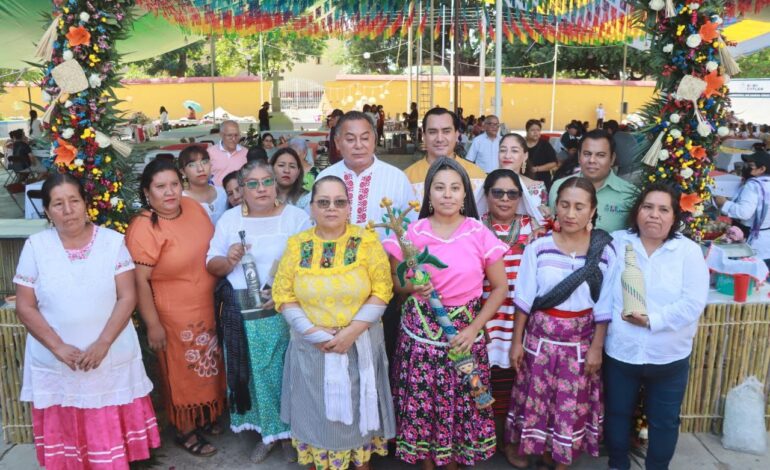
x: 653, y: 350
x: 83, y: 369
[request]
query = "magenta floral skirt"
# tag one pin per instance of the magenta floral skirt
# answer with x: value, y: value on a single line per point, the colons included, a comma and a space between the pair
x: 555, y: 407
x: 436, y: 416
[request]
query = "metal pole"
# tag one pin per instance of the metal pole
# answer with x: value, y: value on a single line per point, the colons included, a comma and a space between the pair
x: 499, y: 60
x: 409, y: 55
x: 625, y: 57
x: 261, y: 71
x: 418, y: 71
x: 443, y: 24
x: 456, y: 53
x: 452, y: 94
x: 432, y: 49
x: 212, y: 52
x: 555, y: 67
x: 482, y: 60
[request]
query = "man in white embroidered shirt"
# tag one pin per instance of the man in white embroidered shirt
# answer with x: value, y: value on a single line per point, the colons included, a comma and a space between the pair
x: 366, y: 178
x: 227, y: 155
x: 486, y: 147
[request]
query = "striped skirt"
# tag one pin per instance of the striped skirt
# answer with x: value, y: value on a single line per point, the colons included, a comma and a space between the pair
x: 320, y: 442
x: 94, y: 438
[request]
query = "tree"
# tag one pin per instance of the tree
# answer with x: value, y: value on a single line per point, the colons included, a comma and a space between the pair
x: 756, y: 65
x: 281, y: 50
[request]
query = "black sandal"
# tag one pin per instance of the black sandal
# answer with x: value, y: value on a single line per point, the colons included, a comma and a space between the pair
x: 195, y: 448
x: 212, y: 429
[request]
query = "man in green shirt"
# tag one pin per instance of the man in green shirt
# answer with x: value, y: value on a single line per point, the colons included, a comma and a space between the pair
x: 596, y: 156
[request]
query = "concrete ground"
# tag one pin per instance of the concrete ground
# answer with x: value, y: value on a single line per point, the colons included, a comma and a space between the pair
x: 693, y: 452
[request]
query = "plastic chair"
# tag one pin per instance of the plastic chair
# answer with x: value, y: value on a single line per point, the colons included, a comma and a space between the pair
x: 36, y: 194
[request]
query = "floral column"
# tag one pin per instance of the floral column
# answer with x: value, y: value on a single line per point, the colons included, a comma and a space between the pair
x: 79, y: 77
x: 688, y: 118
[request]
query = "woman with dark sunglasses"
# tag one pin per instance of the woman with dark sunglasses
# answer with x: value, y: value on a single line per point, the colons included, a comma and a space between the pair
x: 332, y: 287
x: 510, y: 217
x: 255, y: 339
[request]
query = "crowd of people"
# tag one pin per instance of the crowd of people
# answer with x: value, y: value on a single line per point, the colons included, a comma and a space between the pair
x: 345, y: 354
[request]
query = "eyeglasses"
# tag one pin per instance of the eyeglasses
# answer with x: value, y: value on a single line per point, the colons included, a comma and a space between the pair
x: 254, y: 184
x: 232, y: 136
x: 204, y: 162
x: 326, y: 203
x: 499, y: 193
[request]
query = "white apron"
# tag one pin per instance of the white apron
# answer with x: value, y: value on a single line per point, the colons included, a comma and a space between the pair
x: 76, y: 299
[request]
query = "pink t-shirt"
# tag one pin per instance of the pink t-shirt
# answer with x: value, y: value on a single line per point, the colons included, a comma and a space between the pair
x: 223, y: 162
x: 467, y: 253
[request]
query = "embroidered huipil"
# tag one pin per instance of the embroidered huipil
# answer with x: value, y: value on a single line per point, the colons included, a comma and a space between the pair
x: 332, y: 279
x: 367, y: 189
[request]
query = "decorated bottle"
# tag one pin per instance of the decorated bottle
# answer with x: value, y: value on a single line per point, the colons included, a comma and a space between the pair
x: 632, y: 282
x: 250, y: 273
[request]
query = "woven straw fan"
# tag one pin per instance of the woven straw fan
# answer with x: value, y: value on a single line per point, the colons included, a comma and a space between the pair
x: 70, y: 78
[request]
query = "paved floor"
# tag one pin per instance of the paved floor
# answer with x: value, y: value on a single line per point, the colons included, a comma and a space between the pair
x: 694, y: 452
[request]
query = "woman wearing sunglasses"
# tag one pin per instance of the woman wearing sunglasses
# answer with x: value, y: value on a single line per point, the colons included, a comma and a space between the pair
x: 195, y: 165
x: 332, y: 287
x: 510, y: 217
x: 255, y: 340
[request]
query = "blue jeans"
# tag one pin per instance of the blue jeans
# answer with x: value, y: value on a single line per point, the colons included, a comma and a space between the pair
x: 664, y: 387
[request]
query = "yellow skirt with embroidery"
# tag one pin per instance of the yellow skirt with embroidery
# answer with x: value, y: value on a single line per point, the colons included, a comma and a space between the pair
x: 324, y: 459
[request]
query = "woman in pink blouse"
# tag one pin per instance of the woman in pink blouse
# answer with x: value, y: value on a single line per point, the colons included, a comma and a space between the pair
x: 437, y: 421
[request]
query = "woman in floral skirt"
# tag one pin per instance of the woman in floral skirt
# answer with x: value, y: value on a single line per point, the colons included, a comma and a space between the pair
x: 437, y: 419
x: 563, y: 306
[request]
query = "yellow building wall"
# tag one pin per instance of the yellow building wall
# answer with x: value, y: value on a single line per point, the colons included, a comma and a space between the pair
x: 523, y: 99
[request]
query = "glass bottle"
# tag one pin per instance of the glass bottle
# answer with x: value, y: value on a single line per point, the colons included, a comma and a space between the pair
x: 252, y: 276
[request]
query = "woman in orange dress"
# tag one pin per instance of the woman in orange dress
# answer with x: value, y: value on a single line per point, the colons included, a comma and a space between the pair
x: 168, y: 241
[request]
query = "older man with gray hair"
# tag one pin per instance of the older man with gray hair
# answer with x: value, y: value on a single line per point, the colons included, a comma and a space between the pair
x: 227, y: 155
x: 299, y: 145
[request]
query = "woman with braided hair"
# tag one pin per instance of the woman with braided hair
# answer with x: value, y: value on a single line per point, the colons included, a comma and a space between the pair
x: 563, y: 306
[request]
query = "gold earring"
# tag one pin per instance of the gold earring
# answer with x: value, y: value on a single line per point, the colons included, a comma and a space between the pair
x: 523, y: 167
x: 277, y: 202
x: 462, y: 209
x: 244, y: 209
x: 430, y: 207
x: 589, y: 226
x: 185, y: 183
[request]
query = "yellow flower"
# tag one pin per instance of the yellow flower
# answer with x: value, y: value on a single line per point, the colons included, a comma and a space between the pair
x: 107, y: 159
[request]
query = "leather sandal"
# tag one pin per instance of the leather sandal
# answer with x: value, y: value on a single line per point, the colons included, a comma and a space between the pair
x: 194, y: 448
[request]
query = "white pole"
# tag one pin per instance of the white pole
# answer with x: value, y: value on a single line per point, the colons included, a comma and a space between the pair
x: 409, y: 55
x: 443, y: 25
x: 499, y: 60
x: 452, y: 14
x: 261, y: 73
x: 212, y: 52
x: 555, y: 66
x: 482, y: 61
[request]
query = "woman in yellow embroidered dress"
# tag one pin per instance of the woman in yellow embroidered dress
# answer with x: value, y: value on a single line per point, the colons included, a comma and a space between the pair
x: 332, y: 286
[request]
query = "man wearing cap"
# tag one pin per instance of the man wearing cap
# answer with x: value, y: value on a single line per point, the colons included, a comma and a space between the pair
x: 227, y: 155
x: 752, y: 203
x: 334, y: 154
x: 485, y: 147
x: 264, y: 117
x: 440, y: 129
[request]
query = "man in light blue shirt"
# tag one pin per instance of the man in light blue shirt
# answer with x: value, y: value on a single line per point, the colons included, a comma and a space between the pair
x: 596, y: 156
x: 485, y: 147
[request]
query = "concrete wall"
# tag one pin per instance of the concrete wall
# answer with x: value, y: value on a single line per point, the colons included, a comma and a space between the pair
x: 522, y: 98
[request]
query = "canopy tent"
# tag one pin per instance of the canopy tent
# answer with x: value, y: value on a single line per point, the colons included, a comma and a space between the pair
x: 751, y: 32
x: 22, y: 23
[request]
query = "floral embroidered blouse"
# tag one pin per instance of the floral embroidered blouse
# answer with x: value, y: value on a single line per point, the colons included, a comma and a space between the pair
x: 332, y: 279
